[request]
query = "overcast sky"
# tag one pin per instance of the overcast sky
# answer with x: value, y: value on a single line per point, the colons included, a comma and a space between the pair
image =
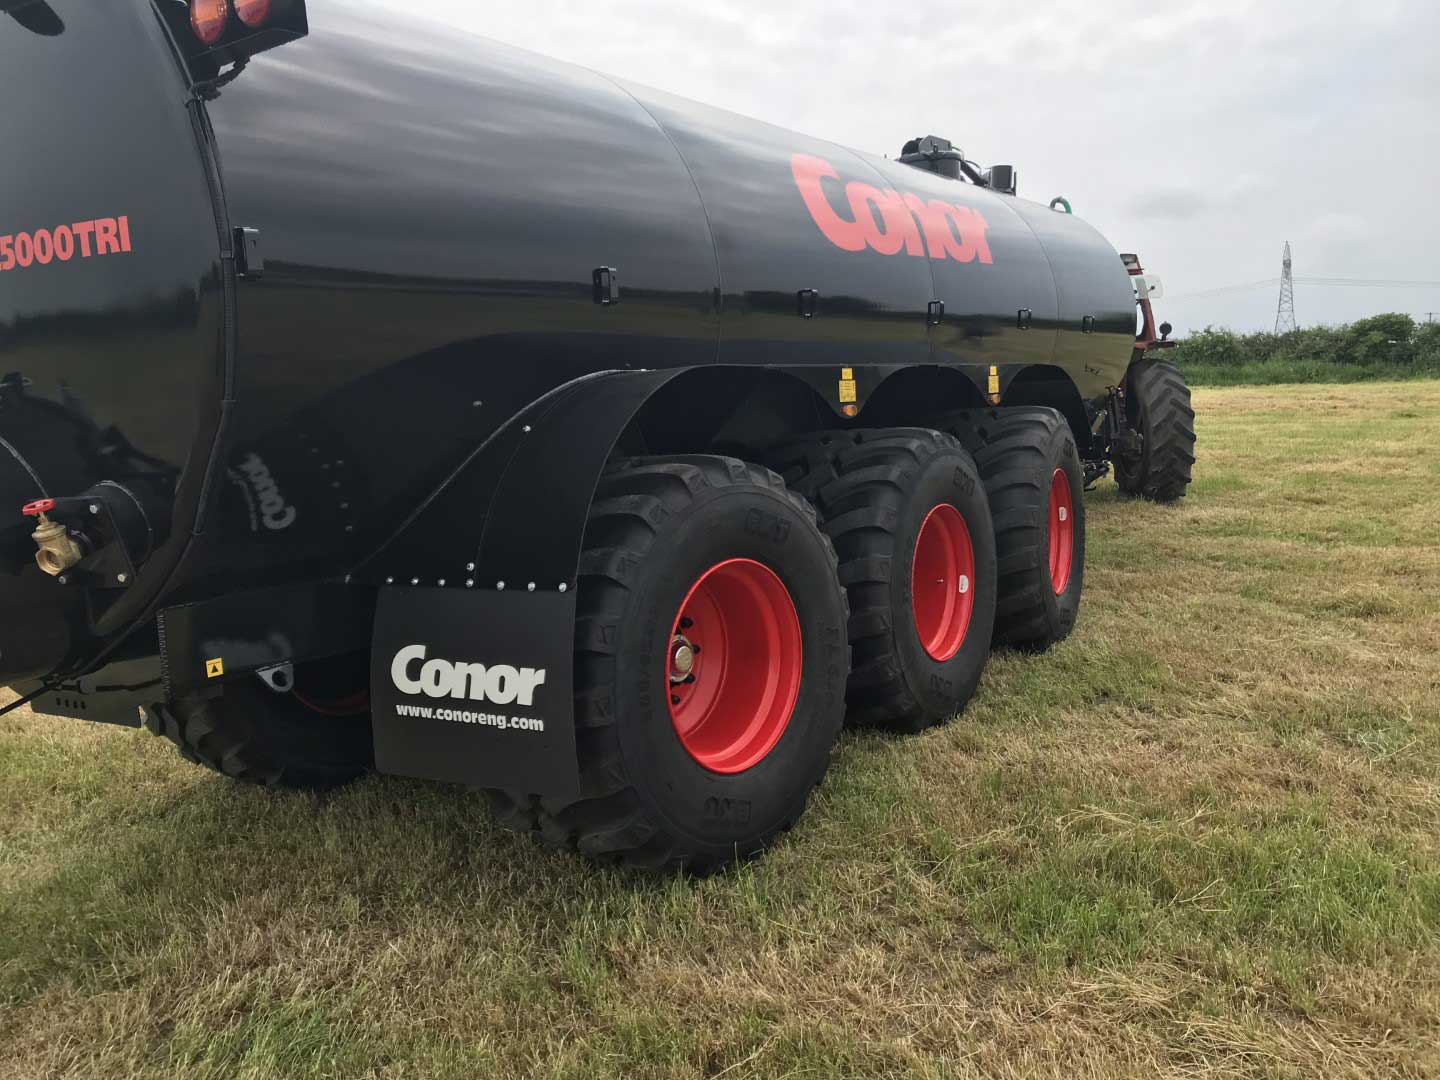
x: 1200, y: 135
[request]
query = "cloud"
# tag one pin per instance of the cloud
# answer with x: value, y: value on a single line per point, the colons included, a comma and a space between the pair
x: 1174, y: 203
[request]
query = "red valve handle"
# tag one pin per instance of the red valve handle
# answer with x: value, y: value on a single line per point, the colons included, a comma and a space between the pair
x: 39, y: 506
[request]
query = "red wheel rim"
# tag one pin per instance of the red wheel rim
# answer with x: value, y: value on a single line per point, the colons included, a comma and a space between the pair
x: 732, y: 669
x: 942, y: 578
x: 1062, y: 531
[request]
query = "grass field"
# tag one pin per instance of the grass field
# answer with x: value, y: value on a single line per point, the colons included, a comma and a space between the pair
x: 1200, y: 838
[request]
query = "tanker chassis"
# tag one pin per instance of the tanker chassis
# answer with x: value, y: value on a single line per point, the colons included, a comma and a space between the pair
x: 375, y: 397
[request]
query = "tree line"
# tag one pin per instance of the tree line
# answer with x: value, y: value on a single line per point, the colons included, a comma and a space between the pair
x: 1389, y: 346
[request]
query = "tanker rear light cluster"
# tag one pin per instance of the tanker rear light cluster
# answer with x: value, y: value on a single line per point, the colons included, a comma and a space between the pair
x: 222, y: 23
x: 210, y: 19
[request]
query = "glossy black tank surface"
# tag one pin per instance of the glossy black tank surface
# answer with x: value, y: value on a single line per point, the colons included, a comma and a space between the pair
x: 439, y: 252
x: 445, y: 230
x: 111, y: 314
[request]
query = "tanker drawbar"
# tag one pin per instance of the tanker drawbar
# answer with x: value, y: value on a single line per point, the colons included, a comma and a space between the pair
x: 340, y: 433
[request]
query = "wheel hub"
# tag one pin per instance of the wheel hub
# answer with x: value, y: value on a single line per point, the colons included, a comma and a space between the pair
x: 682, y: 659
x: 942, y: 573
x: 733, y: 665
x: 1062, y: 532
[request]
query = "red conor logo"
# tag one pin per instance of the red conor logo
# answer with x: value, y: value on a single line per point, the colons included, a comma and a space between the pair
x: 948, y: 230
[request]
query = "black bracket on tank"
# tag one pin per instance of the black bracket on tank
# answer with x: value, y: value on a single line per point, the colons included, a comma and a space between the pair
x: 111, y: 525
x: 123, y: 692
x: 606, y: 280
x: 209, y: 642
x: 249, y: 255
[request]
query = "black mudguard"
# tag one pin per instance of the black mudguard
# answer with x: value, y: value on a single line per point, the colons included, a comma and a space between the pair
x: 473, y: 647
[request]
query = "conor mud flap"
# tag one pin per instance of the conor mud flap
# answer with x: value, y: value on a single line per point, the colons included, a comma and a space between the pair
x: 474, y: 687
x: 472, y: 661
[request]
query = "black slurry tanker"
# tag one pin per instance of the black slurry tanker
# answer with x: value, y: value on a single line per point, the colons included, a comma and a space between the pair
x: 377, y: 397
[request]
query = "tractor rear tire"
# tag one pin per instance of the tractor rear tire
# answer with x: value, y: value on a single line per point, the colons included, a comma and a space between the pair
x: 1157, y: 405
x: 907, y: 514
x: 315, y: 737
x: 691, y: 765
x: 1031, y: 470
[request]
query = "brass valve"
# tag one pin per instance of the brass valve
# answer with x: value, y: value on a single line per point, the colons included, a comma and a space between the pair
x: 59, y: 551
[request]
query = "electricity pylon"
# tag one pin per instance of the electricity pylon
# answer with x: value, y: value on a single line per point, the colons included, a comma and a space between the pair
x: 1285, y: 313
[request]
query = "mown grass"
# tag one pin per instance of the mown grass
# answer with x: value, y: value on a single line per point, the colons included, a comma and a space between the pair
x: 1202, y: 837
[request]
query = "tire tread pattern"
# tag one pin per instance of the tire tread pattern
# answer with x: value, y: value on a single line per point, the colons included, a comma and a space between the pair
x: 204, y: 735
x: 858, y: 479
x: 609, y: 823
x: 1163, y: 400
x: 1006, y: 444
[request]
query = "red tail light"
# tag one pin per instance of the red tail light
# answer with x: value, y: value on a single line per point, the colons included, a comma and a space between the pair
x: 208, y: 19
x: 228, y: 31
x: 253, y: 13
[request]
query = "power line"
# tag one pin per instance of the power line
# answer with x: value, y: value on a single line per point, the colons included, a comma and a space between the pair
x: 1269, y: 283
x: 1373, y: 283
x: 1243, y: 287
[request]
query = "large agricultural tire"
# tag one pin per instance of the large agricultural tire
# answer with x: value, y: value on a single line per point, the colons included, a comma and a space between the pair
x: 907, y: 514
x: 1031, y: 469
x: 1157, y: 405
x: 317, y: 736
x: 691, y: 767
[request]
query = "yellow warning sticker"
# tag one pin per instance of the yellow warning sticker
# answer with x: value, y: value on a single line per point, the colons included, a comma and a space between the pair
x: 214, y: 668
x: 847, y: 374
x: 994, y: 381
x: 847, y: 390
